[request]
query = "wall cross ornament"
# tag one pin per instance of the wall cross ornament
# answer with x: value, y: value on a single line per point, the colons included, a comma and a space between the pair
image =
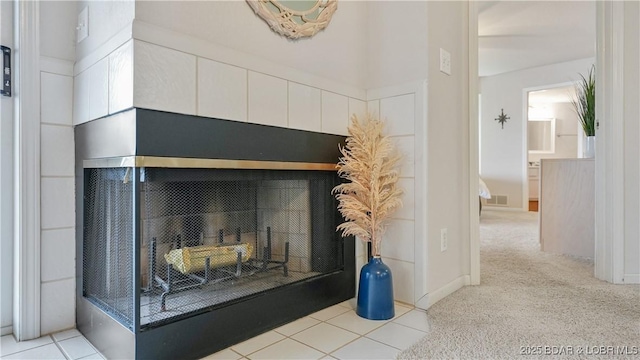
x: 502, y: 118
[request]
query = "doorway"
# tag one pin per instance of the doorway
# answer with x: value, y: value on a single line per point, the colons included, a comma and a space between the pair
x: 552, y: 132
x: 503, y: 30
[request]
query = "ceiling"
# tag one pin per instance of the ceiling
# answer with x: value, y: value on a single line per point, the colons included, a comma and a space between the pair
x: 554, y: 95
x: 516, y: 35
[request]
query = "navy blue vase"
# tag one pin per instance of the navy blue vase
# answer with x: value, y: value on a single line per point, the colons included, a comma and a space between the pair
x: 375, y: 293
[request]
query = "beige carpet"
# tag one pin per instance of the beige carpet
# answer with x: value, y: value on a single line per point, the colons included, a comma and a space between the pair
x: 528, y: 299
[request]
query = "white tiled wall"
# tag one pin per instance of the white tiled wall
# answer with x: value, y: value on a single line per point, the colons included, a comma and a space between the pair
x: 56, y: 148
x: 58, y: 247
x: 155, y: 77
x: 54, y: 89
x: 98, y: 86
x: 398, y: 245
x: 267, y: 100
x: 357, y: 107
x: 222, y: 90
x: 398, y: 112
x: 57, y: 305
x: 305, y: 104
x: 164, y: 79
x: 57, y: 198
x: 120, y: 78
x: 335, y: 113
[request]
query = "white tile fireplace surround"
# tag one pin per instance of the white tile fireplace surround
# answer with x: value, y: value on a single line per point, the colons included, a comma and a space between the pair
x: 227, y: 84
x: 166, y: 71
x: 185, y: 223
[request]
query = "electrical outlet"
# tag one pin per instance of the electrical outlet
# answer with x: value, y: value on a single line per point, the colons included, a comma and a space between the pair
x: 82, y: 28
x: 445, y: 61
x: 443, y: 239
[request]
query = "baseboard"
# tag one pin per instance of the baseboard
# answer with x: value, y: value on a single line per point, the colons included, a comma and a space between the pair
x: 6, y: 330
x: 501, y: 208
x: 631, y: 279
x: 433, y: 297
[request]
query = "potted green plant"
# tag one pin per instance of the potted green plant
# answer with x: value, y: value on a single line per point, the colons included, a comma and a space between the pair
x: 369, y: 163
x: 584, y: 104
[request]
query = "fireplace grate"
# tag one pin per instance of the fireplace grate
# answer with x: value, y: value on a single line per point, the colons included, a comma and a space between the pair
x: 108, y: 242
x: 208, y: 237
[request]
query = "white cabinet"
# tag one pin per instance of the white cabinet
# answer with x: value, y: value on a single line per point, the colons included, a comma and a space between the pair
x: 534, y: 180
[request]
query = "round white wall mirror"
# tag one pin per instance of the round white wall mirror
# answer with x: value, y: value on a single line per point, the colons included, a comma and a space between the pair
x: 295, y: 18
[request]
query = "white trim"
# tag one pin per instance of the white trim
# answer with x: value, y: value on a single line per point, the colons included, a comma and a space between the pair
x: 191, y: 45
x: 26, y: 293
x: 6, y: 330
x: 609, y: 248
x: 525, y: 151
x: 433, y: 297
x: 631, y: 279
x: 6, y: 181
x: 412, y: 87
x: 503, y: 208
x: 56, y: 66
x: 421, y: 226
x: 474, y: 148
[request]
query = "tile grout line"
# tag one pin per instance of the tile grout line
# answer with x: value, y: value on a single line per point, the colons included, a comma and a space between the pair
x: 307, y: 345
x: 64, y: 353
x: 73, y: 337
x: 18, y: 352
x: 359, y: 336
x: 262, y: 348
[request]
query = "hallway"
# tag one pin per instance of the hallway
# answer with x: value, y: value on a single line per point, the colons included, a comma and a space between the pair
x: 530, y: 303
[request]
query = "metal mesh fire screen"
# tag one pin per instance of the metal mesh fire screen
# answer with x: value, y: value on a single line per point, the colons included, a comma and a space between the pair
x: 208, y: 237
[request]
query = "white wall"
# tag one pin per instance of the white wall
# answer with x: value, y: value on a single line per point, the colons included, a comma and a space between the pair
x: 57, y: 213
x: 502, y: 157
x: 447, y: 149
x: 336, y: 53
x: 631, y: 143
x: 396, y: 42
x: 106, y: 19
x: 566, y: 144
x: 57, y: 29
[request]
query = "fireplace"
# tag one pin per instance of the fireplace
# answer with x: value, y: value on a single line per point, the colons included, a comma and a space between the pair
x: 195, y: 233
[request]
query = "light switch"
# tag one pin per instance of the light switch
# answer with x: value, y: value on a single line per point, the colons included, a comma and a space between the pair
x: 82, y: 28
x: 445, y: 61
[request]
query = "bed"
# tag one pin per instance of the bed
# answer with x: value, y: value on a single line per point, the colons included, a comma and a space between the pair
x: 483, y: 192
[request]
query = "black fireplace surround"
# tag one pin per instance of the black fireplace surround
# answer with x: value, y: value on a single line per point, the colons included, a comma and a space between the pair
x: 194, y: 234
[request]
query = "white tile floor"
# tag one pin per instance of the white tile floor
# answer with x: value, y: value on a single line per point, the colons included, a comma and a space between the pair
x: 333, y: 333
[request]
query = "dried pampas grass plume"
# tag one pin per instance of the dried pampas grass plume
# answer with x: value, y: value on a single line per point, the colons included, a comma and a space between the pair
x: 369, y: 162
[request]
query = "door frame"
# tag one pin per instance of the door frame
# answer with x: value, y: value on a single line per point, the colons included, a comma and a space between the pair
x: 474, y: 167
x: 26, y: 179
x: 6, y: 181
x: 609, y: 208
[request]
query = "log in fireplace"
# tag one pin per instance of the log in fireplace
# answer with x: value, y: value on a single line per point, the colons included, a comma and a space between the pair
x: 196, y: 233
